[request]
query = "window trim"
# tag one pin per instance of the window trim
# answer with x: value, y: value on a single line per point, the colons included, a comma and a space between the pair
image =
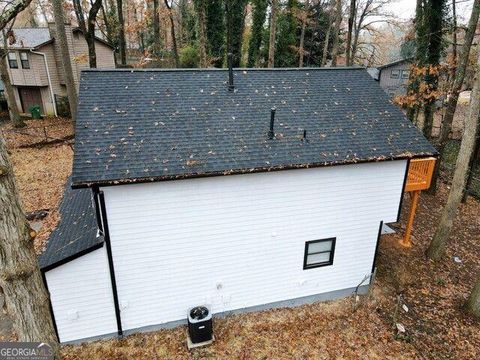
x: 405, y: 72
x: 23, y: 61
x: 10, y: 61
x: 325, y: 263
x: 398, y: 74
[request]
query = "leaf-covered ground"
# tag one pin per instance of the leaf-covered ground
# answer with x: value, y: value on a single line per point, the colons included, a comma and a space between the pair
x: 436, y: 327
x: 40, y: 171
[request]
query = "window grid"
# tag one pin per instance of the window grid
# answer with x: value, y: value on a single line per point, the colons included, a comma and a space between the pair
x: 323, y: 263
x: 24, y: 60
x: 12, y: 60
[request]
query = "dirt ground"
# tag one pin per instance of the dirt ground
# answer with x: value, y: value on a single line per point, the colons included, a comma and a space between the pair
x: 435, y: 325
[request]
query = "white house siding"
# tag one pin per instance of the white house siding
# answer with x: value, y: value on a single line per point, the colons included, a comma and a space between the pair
x: 238, y: 241
x: 81, y: 296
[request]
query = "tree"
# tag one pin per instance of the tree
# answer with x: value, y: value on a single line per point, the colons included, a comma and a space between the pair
x: 304, y: 19
x: 215, y: 31
x: 5, y: 77
x: 452, y: 100
x: 336, y: 32
x: 122, y: 44
x: 473, y: 303
x: 66, y: 58
x: 20, y: 278
x: 172, y: 32
x: 157, y: 39
x: 235, y: 13
x: 437, y: 246
x: 202, y: 31
x: 429, y: 20
x: 351, y: 19
x: 327, y: 35
x: 273, y: 29
x: 367, y: 13
x: 10, y: 9
x: 88, y: 29
x: 286, y: 52
x: 259, y: 14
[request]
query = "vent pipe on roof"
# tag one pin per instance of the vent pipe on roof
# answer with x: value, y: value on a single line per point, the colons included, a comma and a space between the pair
x: 230, y: 72
x: 271, y: 133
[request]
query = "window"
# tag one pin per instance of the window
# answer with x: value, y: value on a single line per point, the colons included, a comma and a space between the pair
x: 24, y: 60
x: 12, y: 60
x: 395, y: 74
x: 405, y: 74
x: 319, y: 253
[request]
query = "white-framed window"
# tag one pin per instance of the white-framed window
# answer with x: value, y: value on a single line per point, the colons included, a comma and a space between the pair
x: 24, y: 60
x: 319, y: 253
x: 12, y: 60
x: 405, y: 74
x: 395, y: 74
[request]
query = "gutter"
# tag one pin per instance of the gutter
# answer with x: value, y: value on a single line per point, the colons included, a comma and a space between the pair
x: 52, y: 96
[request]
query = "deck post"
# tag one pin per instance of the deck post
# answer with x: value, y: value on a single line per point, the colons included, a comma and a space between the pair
x: 411, y: 215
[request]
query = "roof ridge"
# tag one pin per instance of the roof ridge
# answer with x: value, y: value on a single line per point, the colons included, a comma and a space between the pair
x: 222, y: 69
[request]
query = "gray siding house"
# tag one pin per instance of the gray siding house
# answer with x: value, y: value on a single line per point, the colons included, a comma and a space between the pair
x: 393, y: 77
x: 35, y: 68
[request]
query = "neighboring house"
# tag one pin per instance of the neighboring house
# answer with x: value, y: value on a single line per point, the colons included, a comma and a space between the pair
x: 393, y: 77
x: 196, y: 202
x: 35, y: 68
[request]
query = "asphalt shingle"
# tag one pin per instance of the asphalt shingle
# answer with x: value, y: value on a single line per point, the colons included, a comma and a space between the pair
x: 77, y: 230
x: 147, y: 125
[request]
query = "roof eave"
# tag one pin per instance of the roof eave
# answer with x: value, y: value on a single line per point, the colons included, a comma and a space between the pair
x: 114, y: 182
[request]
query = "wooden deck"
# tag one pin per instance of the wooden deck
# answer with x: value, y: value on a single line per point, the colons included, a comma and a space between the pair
x: 419, y: 178
x: 420, y: 174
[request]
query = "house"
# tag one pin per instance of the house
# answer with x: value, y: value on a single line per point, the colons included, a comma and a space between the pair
x: 35, y: 68
x: 264, y: 189
x: 393, y: 77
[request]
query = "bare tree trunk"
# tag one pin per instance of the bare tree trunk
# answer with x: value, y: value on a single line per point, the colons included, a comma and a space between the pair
x: 327, y: 37
x: 20, y: 278
x: 302, y: 34
x: 156, y: 29
x: 89, y: 28
x: 454, y: 47
x: 455, y: 91
x: 473, y: 303
x: 121, y: 34
x: 438, y: 244
x: 66, y: 59
x: 348, y: 45
x: 11, y: 11
x: 202, y: 32
x: 336, y: 32
x: 9, y: 91
x: 172, y: 33
x: 90, y: 35
x: 273, y: 30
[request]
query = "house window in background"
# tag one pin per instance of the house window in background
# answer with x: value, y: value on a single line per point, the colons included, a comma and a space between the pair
x: 395, y: 74
x: 12, y: 60
x: 405, y: 74
x: 24, y: 60
x: 319, y: 253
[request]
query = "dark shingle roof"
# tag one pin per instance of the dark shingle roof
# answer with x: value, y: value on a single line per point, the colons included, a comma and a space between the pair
x: 76, y: 232
x: 146, y: 125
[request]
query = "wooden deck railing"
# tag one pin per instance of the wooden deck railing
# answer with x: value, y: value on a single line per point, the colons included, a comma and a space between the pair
x: 419, y: 177
x: 420, y: 174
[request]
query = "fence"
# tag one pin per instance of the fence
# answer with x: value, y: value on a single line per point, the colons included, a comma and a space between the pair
x: 38, y: 135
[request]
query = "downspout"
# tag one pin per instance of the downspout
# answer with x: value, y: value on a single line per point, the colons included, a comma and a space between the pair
x: 49, y: 80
